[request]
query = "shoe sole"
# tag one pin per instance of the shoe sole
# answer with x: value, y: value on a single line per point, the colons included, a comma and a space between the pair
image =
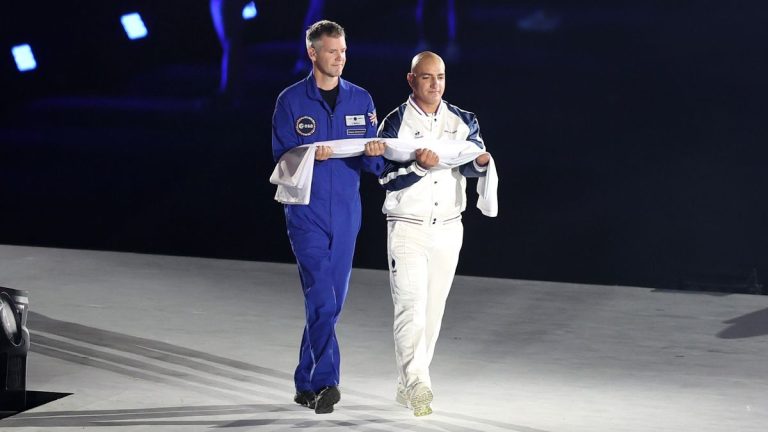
x: 305, y: 402
x: 420, y: 403
x: 326, y: 400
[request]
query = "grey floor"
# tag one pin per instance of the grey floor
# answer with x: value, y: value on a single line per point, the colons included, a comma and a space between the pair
x: 158, y: 343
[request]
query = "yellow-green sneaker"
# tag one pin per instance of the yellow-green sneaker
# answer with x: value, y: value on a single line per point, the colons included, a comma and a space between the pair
x: 419, y: 397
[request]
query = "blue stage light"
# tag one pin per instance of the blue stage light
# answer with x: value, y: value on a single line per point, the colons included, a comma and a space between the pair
x: 249, y: 11
x: 25, y: 60
x: 134, y: 26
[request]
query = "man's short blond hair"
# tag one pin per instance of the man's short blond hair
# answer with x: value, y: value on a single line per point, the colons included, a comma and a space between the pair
x: 323, y: 28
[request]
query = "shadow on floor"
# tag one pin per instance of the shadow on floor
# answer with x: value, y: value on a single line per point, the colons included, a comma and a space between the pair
x: 271, y: 415
x: 165, y: 363
x: 35, y: 399
x: 749, y: 325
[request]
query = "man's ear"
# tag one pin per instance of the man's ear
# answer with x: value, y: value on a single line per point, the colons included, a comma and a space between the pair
x: 312, y: 53
x: 410, y: 76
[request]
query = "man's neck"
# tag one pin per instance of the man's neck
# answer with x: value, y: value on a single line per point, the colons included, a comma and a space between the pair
x: 325, y: 82
x: 429, y: 109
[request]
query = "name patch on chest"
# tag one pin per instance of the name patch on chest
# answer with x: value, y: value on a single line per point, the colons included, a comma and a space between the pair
x: 356, y: 132
x: 355, y: 120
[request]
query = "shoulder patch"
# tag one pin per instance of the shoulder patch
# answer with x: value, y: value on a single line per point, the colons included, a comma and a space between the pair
x: 306, y: 126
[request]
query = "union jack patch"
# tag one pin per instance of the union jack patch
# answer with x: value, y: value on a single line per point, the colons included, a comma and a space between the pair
x: 372, y: 118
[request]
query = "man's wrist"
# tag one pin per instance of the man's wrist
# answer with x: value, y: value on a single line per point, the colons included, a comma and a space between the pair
x: 419, y: 170
x: 478, y: 167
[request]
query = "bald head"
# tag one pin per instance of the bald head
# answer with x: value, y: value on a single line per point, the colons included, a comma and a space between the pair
x: 425, y: 57
x: 427, y: 80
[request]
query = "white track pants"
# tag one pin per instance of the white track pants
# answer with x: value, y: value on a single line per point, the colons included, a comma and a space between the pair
x: 422, y: 263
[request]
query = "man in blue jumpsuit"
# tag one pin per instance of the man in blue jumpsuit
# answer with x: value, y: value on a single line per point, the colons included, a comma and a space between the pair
x: 319, y: 108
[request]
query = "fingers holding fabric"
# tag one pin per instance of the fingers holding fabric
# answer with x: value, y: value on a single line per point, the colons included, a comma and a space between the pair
x: 375, y: 148
x: 323, y: 152
x: 426, y: 158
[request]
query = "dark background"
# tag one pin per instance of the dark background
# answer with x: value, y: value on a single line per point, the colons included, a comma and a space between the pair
x: 630, y: 139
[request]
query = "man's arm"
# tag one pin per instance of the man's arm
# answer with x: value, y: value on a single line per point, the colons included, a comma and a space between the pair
x: 397, y: 175
x: 477, y: 167
x: 283, y: 133
x: 372, y: 164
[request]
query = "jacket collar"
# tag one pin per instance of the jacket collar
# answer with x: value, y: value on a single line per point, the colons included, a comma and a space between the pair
x: 314, y: 92
x: 412, y: 103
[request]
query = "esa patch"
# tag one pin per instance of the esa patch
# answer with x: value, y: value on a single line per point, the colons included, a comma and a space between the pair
x: 306, y: 126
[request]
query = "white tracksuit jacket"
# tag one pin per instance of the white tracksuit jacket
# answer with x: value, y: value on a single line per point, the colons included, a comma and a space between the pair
x: 417, y: 194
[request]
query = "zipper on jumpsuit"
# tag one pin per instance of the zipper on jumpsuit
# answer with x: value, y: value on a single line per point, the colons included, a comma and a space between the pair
x: 331, y: 135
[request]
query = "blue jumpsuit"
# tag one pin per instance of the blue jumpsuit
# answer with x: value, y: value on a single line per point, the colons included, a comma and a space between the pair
x: 323, y: 233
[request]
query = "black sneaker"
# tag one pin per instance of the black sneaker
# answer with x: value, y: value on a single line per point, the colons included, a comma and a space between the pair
x: 305, y: 398
x: 326, y: 399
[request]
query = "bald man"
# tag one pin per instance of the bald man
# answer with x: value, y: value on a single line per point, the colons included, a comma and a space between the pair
x: 423, y: 207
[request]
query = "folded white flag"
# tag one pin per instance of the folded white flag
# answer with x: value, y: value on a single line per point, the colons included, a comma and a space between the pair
x: 293, y: 172
x: 487, y: 186
x: 293, y: 175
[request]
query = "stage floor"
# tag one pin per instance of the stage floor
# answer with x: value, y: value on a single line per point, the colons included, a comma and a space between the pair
x: 161, y: 343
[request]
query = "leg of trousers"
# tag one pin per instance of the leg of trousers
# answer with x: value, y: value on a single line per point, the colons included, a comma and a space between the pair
x: 422, y: 263
x: 325, y: 264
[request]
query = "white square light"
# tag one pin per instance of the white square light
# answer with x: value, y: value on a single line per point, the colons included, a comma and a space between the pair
x: 134, y: 26
x: 25, y: 59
